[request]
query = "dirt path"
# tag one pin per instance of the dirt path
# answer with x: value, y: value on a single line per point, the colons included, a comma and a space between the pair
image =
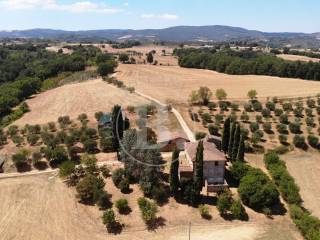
x: 180, y: 119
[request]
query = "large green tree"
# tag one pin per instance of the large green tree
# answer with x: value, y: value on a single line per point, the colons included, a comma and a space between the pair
x: 174, y: 172
x: 236, y: 142
x: 226, y: 135
x: 231, y: 139
x: 241, y: 150
x: 198, y: 169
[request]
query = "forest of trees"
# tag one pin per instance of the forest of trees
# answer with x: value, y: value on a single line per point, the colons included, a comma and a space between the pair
x: 246, y: 62
x: 23, y: 68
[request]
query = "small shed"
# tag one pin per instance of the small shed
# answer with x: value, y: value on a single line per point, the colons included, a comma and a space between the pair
x: 168, y: 141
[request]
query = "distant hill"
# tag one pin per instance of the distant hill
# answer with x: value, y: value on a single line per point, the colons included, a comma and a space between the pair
x: 215, y: 33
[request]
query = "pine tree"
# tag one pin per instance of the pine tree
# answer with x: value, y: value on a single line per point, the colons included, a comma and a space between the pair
x: 117, y: 126
x: 236, y: 142
x: 174, y: 172
x: 226, y: 135
x: 231, y: 139
x: 241, y: 150
x: 198, y: 169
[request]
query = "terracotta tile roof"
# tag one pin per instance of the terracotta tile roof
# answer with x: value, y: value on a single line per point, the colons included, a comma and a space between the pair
x: 168, y: 136
x: 210, y: 151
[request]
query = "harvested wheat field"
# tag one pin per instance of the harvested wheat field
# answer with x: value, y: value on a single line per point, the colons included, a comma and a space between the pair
x: 73, y: 99
x: 175, y: 83
x: 304, y: 167
x: 45, y: 208
x: 297, y: 58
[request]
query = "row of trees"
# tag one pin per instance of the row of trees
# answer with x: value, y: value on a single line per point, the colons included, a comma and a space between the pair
x: 233, y: 141
x: 247, y: 62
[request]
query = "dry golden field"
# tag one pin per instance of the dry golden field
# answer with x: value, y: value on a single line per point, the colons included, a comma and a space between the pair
x: 297, y: 58
x: 73, y: 99
x: 175, y: 84
x: 42, y: 207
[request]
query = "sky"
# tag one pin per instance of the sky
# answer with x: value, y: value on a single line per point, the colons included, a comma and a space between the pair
x: 263, y: 15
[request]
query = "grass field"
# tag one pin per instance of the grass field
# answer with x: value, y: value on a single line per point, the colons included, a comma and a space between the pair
x: 174, y: 83
x: 73, y: 99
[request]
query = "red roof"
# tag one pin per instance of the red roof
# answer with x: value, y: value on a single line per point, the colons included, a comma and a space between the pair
x: 210, y: 151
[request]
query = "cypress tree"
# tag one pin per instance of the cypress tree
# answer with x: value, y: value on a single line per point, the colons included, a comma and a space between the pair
x: 198, y: 169
x: 231, y: 139
x: 236, y: 142
x: 226, y: 135
x: 241, y: 150
x: 117, y: 126
x: 174, y: 172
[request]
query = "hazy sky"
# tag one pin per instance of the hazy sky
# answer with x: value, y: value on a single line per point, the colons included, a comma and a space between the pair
x: 264, y: 15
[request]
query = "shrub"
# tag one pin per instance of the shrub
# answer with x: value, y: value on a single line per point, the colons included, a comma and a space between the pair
x: 287, y: 107
x: 311, y: 103
x: 267, y: 127
x: 282, y: 128
x: 98, y: 115
x: 238, y: 211
x: 66, y: 168
x: 248, y: 107
x: 117, y: 176
x: 13, y: 130
x: 234, y: 106
x: 313, y: 141
x: 18, y: 140
x: 122, y: 206
x: 309, y: 112
x: 278, y: 112
x: 299, y: 142
x: 218, y: 118
x: 20, y: 159
x: 204, y: 211
x: 224, y: 202
x: 88, y: 187
x: 252, y: 94
x: 257, y: 106
x: 244, y: 116
x: 213, y: 130
x: 244, y: 132
x: 212, y: 106
x: 281, y: 149
x: 254, y: 127
x: 52, y: 126
x: 36, y: 157
x: 298, y: 112
x: 271, y: 106
x: 259, y: 118
x: 310, y: 121
x: 200, y: 135
x: 257, y: 190
x: 102, y: 199
x: 124, y: 185
x: 295, y: 127
x: 90, y: 146
x: 148, y: 209
x: 283, y: 139
x: 206, y: 117
x: 33, y: 139
x: 284, y: 118
x: 266, y: 113
x: 109, y: 219
x: 238, y: 170
x: 105, y: 171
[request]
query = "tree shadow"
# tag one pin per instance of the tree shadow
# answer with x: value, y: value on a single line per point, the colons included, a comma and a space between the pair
x: 115, y: 228
x: 23, y: 167
x: 41, y: 165
x: 156, y: 223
